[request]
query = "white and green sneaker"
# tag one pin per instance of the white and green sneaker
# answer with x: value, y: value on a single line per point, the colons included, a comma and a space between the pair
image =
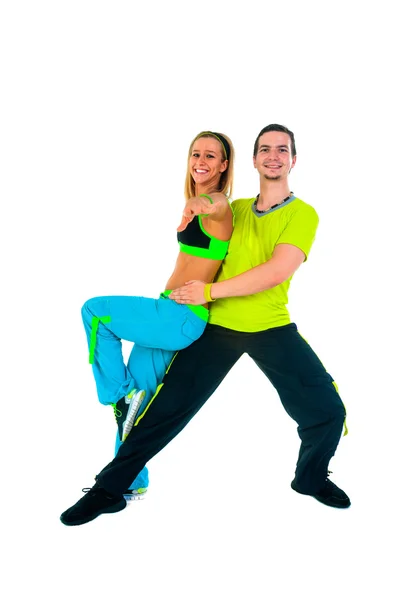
x: 135, y: 398
x: 126, y: 410
x: 132, y: 495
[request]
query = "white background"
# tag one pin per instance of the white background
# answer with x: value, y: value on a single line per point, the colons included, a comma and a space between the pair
x: 99, y: 102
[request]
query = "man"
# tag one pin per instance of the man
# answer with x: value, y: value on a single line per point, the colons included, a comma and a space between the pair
x: 272, y: 237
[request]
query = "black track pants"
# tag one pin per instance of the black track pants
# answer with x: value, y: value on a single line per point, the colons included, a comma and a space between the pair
x: 304, y: 387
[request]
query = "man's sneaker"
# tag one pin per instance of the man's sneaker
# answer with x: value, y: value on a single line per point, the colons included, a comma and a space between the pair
x: 330, y: 494
x: 132, y: 495
x: 125, y: 411
x: 136, y: 398
x: 95, y: 502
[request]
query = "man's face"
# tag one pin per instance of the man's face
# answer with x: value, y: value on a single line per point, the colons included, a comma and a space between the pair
x: 274, y: 155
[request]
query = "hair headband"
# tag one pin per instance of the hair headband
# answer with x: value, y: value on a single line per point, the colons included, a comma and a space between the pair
x: 222, y: 141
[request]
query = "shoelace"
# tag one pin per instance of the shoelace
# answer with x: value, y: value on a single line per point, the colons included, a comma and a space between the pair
x: 116, y: 412
x: 89, y: 491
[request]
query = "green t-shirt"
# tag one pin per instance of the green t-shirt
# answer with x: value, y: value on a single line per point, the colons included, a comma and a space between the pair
x: 252, y: 243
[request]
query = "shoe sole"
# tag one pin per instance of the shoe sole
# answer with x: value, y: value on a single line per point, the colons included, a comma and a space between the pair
x: 132, y: 413
x: 339, y: 506
x: 111, y: 509
x: 134, y: 497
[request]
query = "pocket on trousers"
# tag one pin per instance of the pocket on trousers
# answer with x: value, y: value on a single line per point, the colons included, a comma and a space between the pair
x: 192, y: 331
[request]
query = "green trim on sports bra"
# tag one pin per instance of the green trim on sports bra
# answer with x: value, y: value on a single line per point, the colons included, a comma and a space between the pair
x: 217, y: 249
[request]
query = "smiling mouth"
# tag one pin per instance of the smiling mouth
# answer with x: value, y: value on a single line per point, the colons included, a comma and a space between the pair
x: 201, y: 171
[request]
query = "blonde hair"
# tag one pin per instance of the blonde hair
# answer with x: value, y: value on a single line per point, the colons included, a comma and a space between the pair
x: 226, y: 178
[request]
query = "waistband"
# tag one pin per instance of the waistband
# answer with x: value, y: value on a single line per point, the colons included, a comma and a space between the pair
x: 199, y: 310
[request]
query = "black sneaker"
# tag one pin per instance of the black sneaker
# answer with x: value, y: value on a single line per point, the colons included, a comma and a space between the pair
x: 95, y: 502
x: 330, y: 494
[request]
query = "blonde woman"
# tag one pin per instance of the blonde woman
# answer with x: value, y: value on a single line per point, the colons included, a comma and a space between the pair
x: 160, y: 327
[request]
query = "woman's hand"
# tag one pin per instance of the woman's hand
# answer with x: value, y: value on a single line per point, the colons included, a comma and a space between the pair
x: 190, y: 293
x: 196, y: 206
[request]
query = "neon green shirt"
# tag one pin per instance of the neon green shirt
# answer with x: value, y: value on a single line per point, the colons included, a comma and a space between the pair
x: 252, y: 243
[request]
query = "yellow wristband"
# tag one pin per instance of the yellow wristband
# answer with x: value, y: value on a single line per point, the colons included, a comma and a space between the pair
x: 206, y: 293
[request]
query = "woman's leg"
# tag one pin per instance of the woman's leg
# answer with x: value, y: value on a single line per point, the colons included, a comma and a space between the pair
x: 146, y: 320
x: 147, y: 367
x: 160, y: 324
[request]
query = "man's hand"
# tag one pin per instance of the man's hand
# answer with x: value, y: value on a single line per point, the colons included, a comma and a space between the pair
x: 190, y: 293
x: 196, y: 206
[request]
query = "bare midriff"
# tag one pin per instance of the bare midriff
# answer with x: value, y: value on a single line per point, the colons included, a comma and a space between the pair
x: 192, y: 267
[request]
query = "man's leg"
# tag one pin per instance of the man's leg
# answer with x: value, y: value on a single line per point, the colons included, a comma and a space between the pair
x: 137, y: 489
x: 308, y: 395
x: 193, y: 376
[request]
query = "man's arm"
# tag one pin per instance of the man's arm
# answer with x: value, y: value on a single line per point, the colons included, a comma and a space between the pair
x: 285, y: 260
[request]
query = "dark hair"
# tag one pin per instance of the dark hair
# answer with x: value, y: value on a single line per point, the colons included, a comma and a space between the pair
x: 225, y: 144
x: 275, y: 127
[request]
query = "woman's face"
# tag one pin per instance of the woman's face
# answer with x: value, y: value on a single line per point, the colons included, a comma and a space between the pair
x: 206, y: 162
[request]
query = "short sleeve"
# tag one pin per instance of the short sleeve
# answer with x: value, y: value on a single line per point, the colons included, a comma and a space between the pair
x: 301, y: 229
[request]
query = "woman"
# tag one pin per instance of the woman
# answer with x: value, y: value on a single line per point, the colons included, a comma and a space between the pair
x: 160, y: 327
